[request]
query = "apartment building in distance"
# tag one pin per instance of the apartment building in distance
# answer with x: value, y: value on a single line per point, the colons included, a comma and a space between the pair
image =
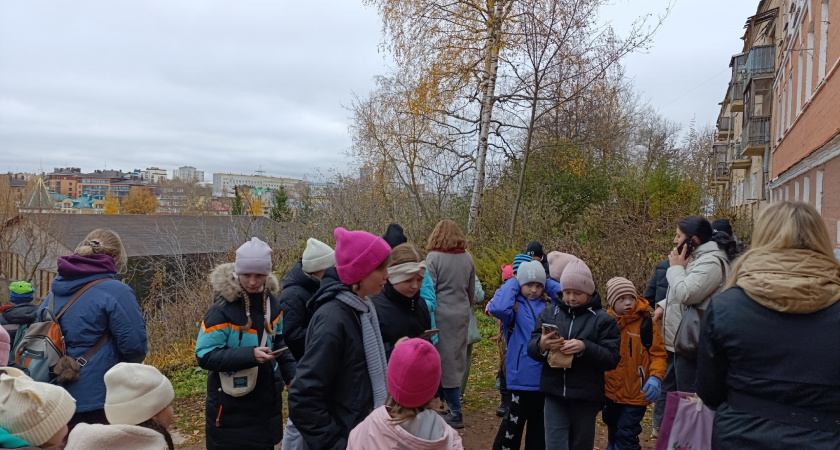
x: 70, y: 182
x: 806, y: 128
x: 743, y: 146
x: 224, y: 184
x: 154, y: 175
x: 188, y: 173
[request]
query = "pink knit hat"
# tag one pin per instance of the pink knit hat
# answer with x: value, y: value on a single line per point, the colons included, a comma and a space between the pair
x: 4, y: 346
x: 618, y: 287
x: 413, y: 373
x: 557, y: 262
x: 577, y: 276
x: 357, y: 254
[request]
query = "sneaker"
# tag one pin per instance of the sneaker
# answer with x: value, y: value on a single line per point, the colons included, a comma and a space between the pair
x: 455, y: 420
x: 654, y: 433
x: 501, y: 410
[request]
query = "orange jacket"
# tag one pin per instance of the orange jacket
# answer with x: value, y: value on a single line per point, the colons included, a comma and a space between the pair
x: 624, y: 384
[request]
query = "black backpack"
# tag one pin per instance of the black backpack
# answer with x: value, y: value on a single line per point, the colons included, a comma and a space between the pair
x: 646, y: 332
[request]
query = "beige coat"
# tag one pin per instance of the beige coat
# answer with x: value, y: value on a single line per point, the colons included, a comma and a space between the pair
x: 692, y: 285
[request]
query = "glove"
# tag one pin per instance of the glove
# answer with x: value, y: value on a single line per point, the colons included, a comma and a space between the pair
x: 652, y: 389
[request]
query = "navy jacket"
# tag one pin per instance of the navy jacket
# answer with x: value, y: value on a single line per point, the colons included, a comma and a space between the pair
x: 298, y: 288
x: 657, y: 287
x: 108, y: 307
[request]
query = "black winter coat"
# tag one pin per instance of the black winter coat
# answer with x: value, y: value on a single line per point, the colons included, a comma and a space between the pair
x: 400, y: 316
x: 254, y: 420
x: 768, y: 374
x: 332, y: 392
x: 657, y: 287
x: 298, y: 288
x: 602, y: 339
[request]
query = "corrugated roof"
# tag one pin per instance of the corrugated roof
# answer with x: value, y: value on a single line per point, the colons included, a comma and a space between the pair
x: 157, y: 235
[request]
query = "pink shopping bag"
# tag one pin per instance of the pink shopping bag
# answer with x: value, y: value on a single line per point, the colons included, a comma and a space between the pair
x: 686, y: 424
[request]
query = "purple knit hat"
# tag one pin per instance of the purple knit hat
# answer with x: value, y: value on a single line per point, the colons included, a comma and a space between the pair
x: 357, y: 254
x: 577, y: 276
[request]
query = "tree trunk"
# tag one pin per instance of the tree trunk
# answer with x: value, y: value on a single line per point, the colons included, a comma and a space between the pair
x: 527, y: 150
x: 487, y: 100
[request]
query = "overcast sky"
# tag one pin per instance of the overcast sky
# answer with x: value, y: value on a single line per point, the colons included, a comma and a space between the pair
x: 259, y: 84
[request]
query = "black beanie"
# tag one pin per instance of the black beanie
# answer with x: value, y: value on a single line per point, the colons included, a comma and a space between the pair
x: 394, y: 235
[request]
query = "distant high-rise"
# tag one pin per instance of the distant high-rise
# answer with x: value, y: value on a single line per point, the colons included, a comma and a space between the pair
x: 188, y: 173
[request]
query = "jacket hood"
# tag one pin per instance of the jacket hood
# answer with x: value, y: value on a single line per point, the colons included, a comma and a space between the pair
x: 427, y: 431
x: 21, y: 314
x: 709, y: 248
x: 225, y: 283
x: 297, y: 277
x: 76, y: 265
x: 331, y: 285
x: 125, y: 437
x: 63, y: 286
x: 594, y: 303
x: 641, y: 310
x: 793, y: 281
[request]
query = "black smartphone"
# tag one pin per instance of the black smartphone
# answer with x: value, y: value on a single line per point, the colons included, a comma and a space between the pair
x: 689, y: 245
x: 548, y: 328
x: 279, y: 351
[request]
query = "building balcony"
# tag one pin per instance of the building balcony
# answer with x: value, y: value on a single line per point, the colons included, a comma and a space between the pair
x: 736, y: 96
x: 760, y: 62
x: 721, y: 174
x: 724, y: 127
x: 755, y: 136
x: 738, y: 160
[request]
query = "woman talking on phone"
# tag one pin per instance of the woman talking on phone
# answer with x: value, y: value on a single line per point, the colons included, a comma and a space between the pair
x: 240, y: 343
x: 699, y: 264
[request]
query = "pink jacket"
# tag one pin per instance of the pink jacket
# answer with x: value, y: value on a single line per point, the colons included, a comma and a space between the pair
x: 428, y: 432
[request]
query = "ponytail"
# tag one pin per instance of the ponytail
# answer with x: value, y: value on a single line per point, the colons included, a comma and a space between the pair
x: 153, y: 424
x: 725, y: 243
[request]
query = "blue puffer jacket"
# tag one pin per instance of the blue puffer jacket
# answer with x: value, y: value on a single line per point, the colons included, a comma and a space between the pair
x: 523, y: 372
x: 109, y: 306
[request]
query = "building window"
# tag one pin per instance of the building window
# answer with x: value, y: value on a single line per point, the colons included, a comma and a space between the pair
x: 787, y: 193
x: 819, y: 192
x: 796, y: 191
x: 809, y: 64
x: 800, y: 76
x: 823, y: 39
x: 806, y: 189
x: 789, y: 96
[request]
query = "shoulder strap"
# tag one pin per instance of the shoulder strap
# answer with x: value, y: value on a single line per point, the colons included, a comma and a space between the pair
x: 72, y: 300
x: 92, y: 351
x: 646, y: 332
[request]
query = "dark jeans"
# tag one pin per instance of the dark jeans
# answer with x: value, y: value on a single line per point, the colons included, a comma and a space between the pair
x: 624, y: 424
x: 685, y: 370
x: 669, y: 384
x: 570, y: 424
x: 453, y: 399
x: 525, y: 407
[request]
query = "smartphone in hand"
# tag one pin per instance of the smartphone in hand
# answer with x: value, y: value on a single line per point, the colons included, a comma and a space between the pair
x: 548, y: 328
x: 279, y: 351
x: 427, y: 335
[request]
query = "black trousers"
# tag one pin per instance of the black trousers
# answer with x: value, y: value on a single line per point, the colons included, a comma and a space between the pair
x: 526, y: 407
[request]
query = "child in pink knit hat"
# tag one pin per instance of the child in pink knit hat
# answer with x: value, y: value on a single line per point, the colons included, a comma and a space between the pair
x: 578, y: 342
x: 408, y: 419
x: 341, y: 376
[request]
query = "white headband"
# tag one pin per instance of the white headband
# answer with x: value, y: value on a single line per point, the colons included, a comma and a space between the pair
x: 404, y: 271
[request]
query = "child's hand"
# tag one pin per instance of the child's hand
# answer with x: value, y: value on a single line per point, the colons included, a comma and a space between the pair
x: 487, y: 308
x: 550, y: 340
x: 263, y: 354
x: 652, y: 389
x: 658, y: 313
x: 572, y: 347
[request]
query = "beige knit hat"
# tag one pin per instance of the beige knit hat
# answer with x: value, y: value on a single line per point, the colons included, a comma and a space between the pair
x: 618, y: 287
x: 253, y: 256
x: 317, y: 256
x: 557, y: 262
x: 577, y: 276
x: 134, y: 393
x: 31, y: 410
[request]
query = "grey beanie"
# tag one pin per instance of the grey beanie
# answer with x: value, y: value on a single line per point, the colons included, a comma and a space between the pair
x: 317, y: 256
x: 253, y: 256
x: 530, y: 272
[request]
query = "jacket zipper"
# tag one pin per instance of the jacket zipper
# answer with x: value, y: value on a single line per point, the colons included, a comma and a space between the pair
x: 219, y: 416
x: 570, y: 336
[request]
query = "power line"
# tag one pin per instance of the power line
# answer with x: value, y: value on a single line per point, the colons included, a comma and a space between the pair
x: 696, y: 87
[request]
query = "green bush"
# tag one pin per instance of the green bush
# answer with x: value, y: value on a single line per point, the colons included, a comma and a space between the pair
x: 488, y: 267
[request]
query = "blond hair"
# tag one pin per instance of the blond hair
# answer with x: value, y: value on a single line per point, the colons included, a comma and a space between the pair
x: 104, y: 241
x: 401, y: 414
x: 447, y: 235
x: 247, y: 300
x: 404, y: 253
x: 787, y: 225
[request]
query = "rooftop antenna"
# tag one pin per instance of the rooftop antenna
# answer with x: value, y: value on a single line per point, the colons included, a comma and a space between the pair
x: 260, y: 171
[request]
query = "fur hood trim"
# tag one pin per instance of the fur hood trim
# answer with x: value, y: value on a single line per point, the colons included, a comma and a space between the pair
x: 224, y: 282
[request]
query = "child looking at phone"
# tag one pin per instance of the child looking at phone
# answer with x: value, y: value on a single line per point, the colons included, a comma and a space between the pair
x: 588, y: 336
x: 517, y: 304
x: 637, y: 380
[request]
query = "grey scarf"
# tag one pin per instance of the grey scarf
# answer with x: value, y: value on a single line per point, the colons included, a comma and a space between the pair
x: 374, y: 349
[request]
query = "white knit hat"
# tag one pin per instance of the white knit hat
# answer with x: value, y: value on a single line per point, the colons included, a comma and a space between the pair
x: 134, y: 393
x: 31, y: 410
x: 253, y: 256
x: 317, y: 256
x: 123, y: 437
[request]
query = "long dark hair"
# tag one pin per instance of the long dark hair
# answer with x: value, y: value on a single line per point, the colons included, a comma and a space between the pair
x: 153, y: 424
x: 699, y: 227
